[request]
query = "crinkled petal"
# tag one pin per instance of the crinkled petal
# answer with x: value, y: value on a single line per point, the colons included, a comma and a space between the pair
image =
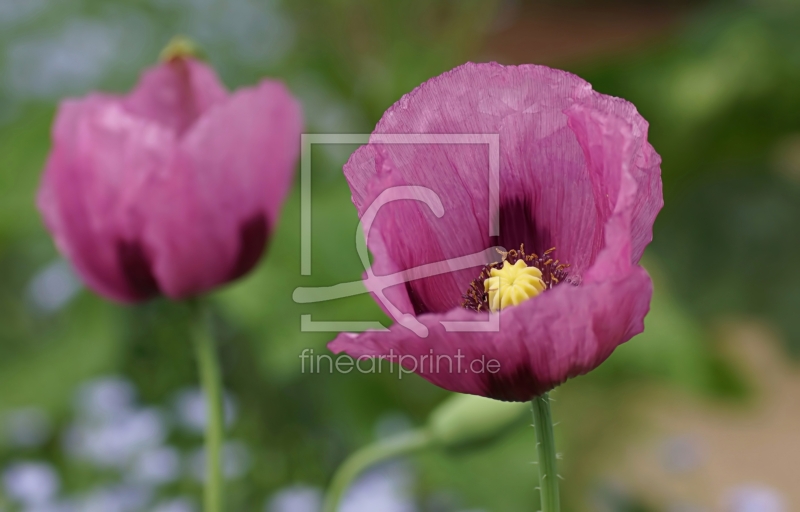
x: 548, y: 192
x: 592, y: 184
x: 560, y: 334
x: 430, y: 236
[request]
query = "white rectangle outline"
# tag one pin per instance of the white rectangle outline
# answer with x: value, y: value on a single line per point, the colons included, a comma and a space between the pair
x: 308, y: 139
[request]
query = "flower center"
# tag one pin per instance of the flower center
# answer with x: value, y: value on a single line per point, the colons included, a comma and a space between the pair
x: 512, y: 284
x: 517, y: 278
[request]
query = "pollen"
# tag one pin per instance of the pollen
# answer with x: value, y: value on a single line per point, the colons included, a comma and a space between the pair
x: 513, y: 284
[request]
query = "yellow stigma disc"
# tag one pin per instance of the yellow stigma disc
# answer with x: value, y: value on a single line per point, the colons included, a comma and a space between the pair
x: 513, y: 284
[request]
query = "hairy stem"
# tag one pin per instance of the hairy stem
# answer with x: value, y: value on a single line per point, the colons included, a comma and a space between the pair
x: 546, y: 448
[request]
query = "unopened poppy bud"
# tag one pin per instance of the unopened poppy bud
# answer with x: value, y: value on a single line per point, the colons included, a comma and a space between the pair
x: 468, y: 419
x: 174, y: 188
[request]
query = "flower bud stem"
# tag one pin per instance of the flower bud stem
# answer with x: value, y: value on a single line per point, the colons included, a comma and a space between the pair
x: 209, y: 368
x: 546, y: 448
x: 367, y: 457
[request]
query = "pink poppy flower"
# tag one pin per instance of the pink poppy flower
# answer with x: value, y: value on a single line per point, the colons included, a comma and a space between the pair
x: 174, y: 188
x: 579, y: 190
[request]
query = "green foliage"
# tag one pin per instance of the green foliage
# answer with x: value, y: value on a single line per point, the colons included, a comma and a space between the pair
x: 722, y: 97
x: 674, y: 348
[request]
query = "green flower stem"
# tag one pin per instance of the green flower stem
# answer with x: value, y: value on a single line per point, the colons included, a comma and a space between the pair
x: 366, y: 457
x: 208, y: 365
x: 546, y: 447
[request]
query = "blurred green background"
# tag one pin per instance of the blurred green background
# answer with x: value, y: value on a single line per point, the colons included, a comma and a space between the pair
x: 98, y: 405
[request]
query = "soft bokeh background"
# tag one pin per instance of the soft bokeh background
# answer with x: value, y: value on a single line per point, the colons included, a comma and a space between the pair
x: 98, y: 406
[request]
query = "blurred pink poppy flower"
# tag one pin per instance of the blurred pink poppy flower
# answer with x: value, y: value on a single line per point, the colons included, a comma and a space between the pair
x: 174, y: 188
x: 580, y: 188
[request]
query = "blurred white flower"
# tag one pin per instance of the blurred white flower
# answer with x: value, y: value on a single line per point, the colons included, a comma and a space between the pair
x: 121, y: 498
x: 106, y: 398
x: 53, y: 507
x: 31, y: 483
x: 235, y: 461
x: 53, y: 287
x: 385, y: 488
x: 157, y: 466
x: 175, y: 505
x: 116, y: 442
x: 298, y: 498
x: 754, y: 498
x: 190, y: 407
x: 27, y: 428
x: 68, y: 61
x: 14, y: 11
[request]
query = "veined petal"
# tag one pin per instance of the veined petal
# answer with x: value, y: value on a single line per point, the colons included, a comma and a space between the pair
x: 542, y: 342
x: 548, y: 192
x: 576, y: 173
